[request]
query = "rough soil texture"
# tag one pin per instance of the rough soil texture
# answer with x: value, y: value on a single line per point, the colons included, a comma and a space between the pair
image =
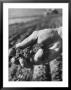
x: 50, y: 69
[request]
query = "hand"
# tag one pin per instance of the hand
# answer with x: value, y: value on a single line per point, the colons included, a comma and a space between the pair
x: 12, y: 52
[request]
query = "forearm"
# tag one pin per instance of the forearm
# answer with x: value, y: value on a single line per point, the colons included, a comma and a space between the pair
x: 26, y: 41
x: 23, y: 44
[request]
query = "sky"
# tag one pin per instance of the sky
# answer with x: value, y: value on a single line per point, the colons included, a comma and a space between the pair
x: 25, y: 12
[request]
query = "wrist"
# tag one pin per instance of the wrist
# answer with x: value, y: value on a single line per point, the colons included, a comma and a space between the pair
x: 17, y: 46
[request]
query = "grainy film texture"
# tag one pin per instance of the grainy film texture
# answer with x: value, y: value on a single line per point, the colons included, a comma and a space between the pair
x: 35, y: 44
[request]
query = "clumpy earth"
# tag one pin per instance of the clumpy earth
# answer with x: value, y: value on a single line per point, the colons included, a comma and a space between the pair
x: 47, y: 69
x: 31, y: 71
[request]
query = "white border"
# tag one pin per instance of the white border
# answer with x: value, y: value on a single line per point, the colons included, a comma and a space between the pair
x: 63, y: 83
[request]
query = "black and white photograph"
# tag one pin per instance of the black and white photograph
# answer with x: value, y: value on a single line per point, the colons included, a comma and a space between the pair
x: 35, y: 43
